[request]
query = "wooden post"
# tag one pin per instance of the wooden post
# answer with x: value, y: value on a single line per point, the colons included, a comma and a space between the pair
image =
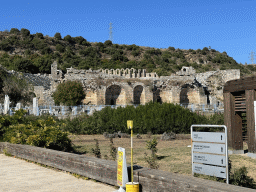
x: 250, y: 97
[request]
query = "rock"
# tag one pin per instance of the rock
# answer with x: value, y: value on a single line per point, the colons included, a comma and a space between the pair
x: 168, y: 136
x: 109, y: 135
x: 123, y: 135
x: 138, y: 136
x: 105, y: 134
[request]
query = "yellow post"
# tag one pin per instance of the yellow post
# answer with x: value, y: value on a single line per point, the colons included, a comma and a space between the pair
x: 130, y: 126
x: 131, y: 156
x: 131, y: 186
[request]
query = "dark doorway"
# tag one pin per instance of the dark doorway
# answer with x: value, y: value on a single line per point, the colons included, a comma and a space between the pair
x: 137, y: 94
x: 184, y: 96
x: 111, y: 95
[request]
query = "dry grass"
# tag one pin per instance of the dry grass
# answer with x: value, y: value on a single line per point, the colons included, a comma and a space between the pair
x: 173, y: 156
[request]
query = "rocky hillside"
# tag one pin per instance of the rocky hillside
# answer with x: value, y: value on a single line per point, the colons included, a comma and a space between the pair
x: 34, y: 53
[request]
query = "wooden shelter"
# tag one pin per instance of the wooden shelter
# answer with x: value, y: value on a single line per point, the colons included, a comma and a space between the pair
x: 239, y: 97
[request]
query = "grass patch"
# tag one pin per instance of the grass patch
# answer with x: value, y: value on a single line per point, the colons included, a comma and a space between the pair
x: 173, y: 156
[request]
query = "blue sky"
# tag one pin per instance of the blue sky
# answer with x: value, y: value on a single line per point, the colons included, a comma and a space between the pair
x: 225, y: 25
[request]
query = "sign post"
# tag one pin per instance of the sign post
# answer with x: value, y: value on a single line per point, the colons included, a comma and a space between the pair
x: 210, y: 152
x: 122, y: 175
x: 131, y: 186
x: 130, y: 126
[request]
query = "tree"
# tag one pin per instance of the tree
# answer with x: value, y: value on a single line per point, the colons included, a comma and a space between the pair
x: 39, y: 35
x: 18, y: 90
x: 25, y: 32
x: 69, y: 93
x: 68, y: 38
x: 79, y: 40
x: 14, y: 31
x: 58, y: 36
x: 108, y: 43
x: 60, y: 48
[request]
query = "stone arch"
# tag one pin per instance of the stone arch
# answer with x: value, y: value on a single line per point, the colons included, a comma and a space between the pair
x: 128, y: 73
x: 122, y: 72
x: 111, y: 71
x: 184, y: 98
x: 112, y: 94
x: 118, y: 72
x: 137, y: 94
x: 139, y: 73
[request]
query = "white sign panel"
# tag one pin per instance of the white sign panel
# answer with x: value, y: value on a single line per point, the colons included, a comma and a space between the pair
x: 210, y: 152
x: 219, y: 160
x: 210, y: 170
x: 209, y: 148
x: 209, y: 137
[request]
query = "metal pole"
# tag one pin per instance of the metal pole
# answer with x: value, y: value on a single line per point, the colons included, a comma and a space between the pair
x: 131, y: 156
x: 226, y: 135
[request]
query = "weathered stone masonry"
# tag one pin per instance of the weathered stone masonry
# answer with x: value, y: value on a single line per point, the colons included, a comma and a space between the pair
x: 131, y: 86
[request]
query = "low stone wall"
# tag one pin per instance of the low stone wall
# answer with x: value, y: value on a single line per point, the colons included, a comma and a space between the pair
x: 106, y: 171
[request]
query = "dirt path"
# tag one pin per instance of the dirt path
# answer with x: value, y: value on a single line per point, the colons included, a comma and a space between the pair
x: 22, y: 176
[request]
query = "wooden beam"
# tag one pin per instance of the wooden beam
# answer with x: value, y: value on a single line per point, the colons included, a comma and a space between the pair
x: 247, y: 83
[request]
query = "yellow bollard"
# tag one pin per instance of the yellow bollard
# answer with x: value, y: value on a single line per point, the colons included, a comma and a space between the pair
x: 132, y: 187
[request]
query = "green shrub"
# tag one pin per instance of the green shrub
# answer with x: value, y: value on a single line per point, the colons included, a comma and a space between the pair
x: 239, y: 177
x: 171, y: 48
x: 25, y: 32
x: 113, y: 150
x: 60, y: 48
x: 57, y: 36
x: 79, y: 40
x: 69, y: 93
x: 42, y: 132
x: 151, y: 145
x: 14, y: 31
x: 68, y: 38
x: 151, y: 117
x: 39, y: 35
x: 96, y: 151
x: 108, y: 43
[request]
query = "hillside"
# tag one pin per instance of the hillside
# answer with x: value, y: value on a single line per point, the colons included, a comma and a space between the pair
x: 34, y: 53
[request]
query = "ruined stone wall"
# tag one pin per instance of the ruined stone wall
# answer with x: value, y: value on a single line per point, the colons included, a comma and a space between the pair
x: 196, y: 96
x: 39, y: 91
x: 132, y: 86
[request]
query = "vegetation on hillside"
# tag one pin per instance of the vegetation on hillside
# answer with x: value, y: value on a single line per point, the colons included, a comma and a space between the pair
x: 34, y: 53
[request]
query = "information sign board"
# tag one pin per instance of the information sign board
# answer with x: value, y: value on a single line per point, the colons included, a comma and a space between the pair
x: 209, y: 170
x: 209, y: 137
x: 120, y: 168
x: 210, y: 152
x: 219, y: 160
x: 122, y: 175
x: 209, y: 148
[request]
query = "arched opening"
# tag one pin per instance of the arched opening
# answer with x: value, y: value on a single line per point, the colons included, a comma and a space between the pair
x: 111, y: 95
x: 137, y: 91
x: 156, y: 95
x: 184, y: 95
x: 207, y: 93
